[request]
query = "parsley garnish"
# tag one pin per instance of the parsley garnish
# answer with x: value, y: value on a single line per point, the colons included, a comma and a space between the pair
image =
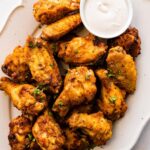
x: 36, y: 92
x: 31, y: 45
x: 30, y: 137
x: 110, y: 73
x: 60, y: 104
x: 113, y: 99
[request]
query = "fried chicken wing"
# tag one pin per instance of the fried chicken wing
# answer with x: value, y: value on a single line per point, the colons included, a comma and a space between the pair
x: 82, y: 50
x: 129, y: 40
x: 48, y: 133
x: 20, y: 133
x: 122, y: 68
x: 112, y: 102
x: 49, y: 11
x: 15, y: 65
x: 79, y: 88
x: 60, y: 28
x: 94, y: 125
x: 42, y: 65
x: 75, y: 141
x: 24, y: 97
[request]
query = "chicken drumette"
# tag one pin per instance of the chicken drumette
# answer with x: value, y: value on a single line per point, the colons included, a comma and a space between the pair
x: 49, y: 11
x: 79, y: 88
x: 42, y: 64
x: 112, y: 102
x: 25, y: 97
x: 122, y: 68
x: 60, y: 28
x: 82, y: 50
x: 94, y: 125
x: 48, y: 133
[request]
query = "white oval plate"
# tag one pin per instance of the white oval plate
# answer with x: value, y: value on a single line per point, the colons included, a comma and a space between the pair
x: 127, y: 130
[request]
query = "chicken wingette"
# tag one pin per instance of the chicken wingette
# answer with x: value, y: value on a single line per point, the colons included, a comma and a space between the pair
x: 112, y: 102
x: 15, y: 65
x: 60, y: 28
x: 82, y: 50
x: 129, y: 40
x: 20, y: 136
x: 49, y: 11
x: 122, y: 69
x: 30, y: 100
x: 94, y: 125
x: 79, y: 88
x: 47, y: 132
x: 42, y: 64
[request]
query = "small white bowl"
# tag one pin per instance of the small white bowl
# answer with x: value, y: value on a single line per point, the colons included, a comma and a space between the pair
x: 106, y: 36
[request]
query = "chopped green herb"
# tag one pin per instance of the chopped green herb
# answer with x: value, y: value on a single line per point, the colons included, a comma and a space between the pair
x: 60, y: 104
x: 76, y: 51
x: 31, y: 45
x: 33, y: 140
x: 37, y: 92
x: 55, y: 96
x: 110, y: 73
x: 30, y: 136
x: 113, y: 99
x: 52, y: 65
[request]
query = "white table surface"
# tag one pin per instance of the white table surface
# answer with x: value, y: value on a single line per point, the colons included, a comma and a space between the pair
x: 143, y: 141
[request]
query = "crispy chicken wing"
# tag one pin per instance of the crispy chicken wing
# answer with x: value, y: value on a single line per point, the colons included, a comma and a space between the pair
x: 20, y: 133
x: 42, y: 65
x: 49, y: 11
x: 94, y: 125
x: 82, y: 50
x: 48, y: 133
x: 24, y: 97
x: 75, y: 141
x: 129, y: 40
x: 112, y: 102
x: 79, y: 88
x: 15, y: 65
x: 60, y: 28
x: 122, y: 68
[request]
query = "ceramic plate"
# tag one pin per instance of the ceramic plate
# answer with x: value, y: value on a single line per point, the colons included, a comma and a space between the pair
x: 127, y: 130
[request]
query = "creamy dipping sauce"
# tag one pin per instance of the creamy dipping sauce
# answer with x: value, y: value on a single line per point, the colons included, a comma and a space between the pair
x: 106, y: 17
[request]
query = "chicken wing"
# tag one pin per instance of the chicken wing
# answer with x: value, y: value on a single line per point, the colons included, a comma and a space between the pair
x: 49, y: 11
x: 112, y: 102
x: 122, y: 69
x: 82, y: 50
x: 20, y: 135
x: 42, y: 65
x: 15, y: 65
x: 47, y: 132
x: 60, y: 28
x: 79, y: 88
x: 94, y: 125
x: 75, y: 141
x: 25, y: 97
x: 129, y: 40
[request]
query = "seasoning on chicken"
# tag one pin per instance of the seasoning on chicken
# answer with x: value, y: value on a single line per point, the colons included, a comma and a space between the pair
x: 49, y: 11
x: 60, y: 28
x: 82, y: 50
x: 122, y: 69
x: 94, y: 125
x: 48, y: 133
x: 42, y: 64
x: 25, y: 97
x: 112, y: 102
x: 79, y: 88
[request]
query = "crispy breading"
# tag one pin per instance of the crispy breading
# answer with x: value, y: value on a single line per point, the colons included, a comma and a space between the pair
x: 24, y: 97
x: 94, y: 125
x: 15, y: 65
x: 42, y: 64
x: 123, y: 68
x: 48, y: 133
x: 79, y: 88
x: 60, y: 28
x: 49, y: 11
x: 112, y: 102
x: 129, y: 40
x: 82, y: 50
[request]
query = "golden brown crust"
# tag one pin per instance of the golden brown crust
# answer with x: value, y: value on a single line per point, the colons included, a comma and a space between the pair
x: 60, y: 28
x: 48, y: 133
x: 49, y: 11
x: 79, y: 88
x: 82, y: 50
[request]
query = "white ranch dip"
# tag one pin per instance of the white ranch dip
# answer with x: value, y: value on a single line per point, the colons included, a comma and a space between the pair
x: 106, y: 17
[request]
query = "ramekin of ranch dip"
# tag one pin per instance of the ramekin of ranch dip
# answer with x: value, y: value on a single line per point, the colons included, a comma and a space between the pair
x: 106, y: 18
